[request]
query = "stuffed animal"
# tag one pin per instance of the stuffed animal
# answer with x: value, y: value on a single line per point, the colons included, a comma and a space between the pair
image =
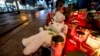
x: 43, y: 38
x: 59, y: 17
x: 58, y: 27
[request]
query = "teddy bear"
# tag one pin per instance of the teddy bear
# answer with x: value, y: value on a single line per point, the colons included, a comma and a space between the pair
x: 43, y: 38
x: 61, y: 27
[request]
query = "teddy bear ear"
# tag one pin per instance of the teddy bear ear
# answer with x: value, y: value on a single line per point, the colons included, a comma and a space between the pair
x: 41, y: 29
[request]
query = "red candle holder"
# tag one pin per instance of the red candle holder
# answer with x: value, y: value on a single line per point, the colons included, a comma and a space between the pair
x: 57, y: 48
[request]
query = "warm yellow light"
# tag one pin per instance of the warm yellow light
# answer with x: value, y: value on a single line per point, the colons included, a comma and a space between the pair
x: 26, y: 23
x: 24, y: 18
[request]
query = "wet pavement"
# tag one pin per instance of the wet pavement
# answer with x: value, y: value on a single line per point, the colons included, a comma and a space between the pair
x: 10, y: 42
x: 9, y: 21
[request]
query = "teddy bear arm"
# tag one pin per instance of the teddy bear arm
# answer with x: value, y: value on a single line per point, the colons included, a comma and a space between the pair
x: 65, y: 29
x: 27, y: 41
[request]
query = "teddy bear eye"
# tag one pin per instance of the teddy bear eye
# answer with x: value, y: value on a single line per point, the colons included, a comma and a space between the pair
x: 51, y: 22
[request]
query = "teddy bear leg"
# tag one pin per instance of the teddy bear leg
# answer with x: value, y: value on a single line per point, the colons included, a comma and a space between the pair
x: 33, y: 47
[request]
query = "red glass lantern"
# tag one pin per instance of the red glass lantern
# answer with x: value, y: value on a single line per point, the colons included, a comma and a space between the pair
x: 57, y: 49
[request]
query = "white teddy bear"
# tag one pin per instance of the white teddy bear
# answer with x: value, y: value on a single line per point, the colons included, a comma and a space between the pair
x: 43, y: 38
x: 58, y: 27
